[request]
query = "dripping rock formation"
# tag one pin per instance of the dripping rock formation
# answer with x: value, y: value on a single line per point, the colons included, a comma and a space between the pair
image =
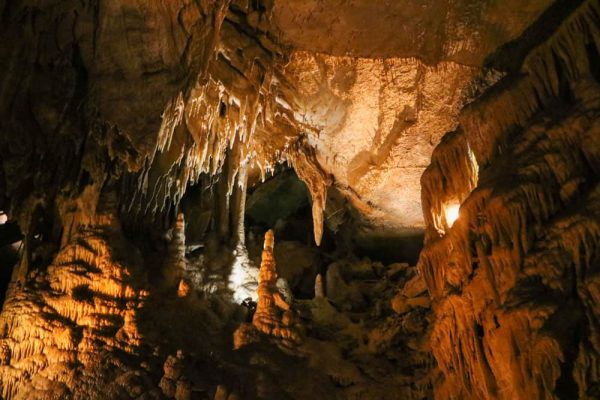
x: 430, y: 171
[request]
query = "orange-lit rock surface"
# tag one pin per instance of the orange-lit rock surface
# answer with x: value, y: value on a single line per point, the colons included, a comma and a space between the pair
x: 513, y: 281
x: 64, y: 329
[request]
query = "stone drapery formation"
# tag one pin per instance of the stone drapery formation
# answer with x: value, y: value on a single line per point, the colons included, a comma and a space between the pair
x: 64, y: 330
x: 514, y: 281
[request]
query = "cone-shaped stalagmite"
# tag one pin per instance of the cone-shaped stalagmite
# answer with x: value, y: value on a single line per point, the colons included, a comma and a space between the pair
x: 268, y: 316
x: 273, y: 316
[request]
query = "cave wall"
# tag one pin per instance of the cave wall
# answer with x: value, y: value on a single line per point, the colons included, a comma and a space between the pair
x: 514, y: 281
x: 388, y: 114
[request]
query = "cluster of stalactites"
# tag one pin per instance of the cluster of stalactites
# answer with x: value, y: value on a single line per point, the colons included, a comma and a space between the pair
x: 237, y: 113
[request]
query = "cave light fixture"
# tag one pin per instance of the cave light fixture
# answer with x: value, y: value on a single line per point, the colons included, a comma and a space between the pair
x: 452, y: 212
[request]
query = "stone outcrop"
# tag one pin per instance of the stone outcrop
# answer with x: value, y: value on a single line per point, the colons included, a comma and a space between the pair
x: 513, y: 279
x: 63, y: 329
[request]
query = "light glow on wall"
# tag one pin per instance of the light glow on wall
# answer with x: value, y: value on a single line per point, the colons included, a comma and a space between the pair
x: 452, y: 213
x: 243, y: 280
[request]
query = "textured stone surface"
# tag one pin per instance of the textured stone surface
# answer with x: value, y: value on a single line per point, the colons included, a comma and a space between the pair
x: 378, y: 122
x: 434, y: 31
x: 512, y: 279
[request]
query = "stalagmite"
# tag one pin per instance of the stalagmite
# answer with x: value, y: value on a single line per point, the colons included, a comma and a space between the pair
x: 269, y: 299
x: 273, y: 316
x: 319, y: 290
x: 175, y: 264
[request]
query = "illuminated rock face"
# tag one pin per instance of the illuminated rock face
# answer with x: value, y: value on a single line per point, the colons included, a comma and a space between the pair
x: 131, y: 131
x: 388, y: 114
x: 64, y: 330
x: 382, y: 82
x: 513, y: 280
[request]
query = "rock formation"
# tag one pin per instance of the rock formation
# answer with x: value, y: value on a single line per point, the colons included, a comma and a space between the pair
x: 75, y: 318
x: 175, y: 263
x: 512, y: 280
x: 273, y: 316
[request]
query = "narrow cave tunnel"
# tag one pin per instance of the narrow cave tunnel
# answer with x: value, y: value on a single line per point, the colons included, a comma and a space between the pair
x: 276, y: 199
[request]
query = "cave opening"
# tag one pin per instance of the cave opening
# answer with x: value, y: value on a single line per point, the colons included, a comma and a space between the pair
x: 283, y: 203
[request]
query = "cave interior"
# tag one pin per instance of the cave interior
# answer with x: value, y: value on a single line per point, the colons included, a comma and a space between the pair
x: 299, y: 199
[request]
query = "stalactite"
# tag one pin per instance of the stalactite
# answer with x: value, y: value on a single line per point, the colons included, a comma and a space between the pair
x: 303, y: 159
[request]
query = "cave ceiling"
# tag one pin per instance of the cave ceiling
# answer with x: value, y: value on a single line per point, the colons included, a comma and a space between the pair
x: 373, y: 86
x: 381, y: 82
x: 431, y: 30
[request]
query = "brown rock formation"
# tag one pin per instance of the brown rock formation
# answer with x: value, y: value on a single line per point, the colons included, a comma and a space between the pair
x: 512, y: 280
x: 273, y: 316
x: 74, y: 318
x: 175, y: 264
